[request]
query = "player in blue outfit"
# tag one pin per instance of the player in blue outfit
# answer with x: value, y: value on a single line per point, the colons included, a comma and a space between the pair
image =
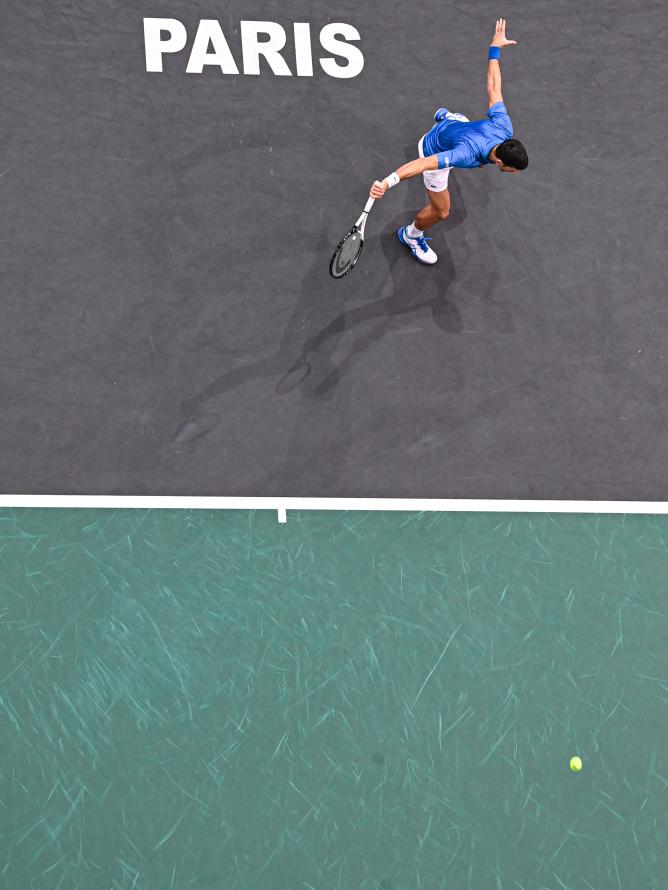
x: 454, y: 141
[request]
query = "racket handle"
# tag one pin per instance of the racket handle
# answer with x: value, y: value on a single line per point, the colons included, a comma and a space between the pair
x: 369, y: 204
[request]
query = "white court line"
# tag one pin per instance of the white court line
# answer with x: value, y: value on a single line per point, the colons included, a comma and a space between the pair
x: 282, y: 505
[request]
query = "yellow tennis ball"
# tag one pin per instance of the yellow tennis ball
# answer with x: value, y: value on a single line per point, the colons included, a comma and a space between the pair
x: 576, y: 764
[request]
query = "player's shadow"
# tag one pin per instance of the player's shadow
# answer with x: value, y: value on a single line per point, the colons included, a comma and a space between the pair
x: 409, y: 290
x: 312, y: 361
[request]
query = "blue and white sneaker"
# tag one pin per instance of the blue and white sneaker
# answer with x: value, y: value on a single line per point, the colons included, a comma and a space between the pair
x: 443, y: 113
x: 418, y: 247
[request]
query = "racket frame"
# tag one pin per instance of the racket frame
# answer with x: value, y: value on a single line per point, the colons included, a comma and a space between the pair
x: 358, y: 227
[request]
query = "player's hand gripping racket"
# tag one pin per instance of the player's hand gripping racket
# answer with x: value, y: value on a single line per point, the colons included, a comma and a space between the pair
x: 350, y: 246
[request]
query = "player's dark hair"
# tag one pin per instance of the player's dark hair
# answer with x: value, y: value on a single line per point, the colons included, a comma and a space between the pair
x: 513, y: 154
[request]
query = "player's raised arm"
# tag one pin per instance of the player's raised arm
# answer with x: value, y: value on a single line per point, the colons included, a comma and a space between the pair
x: 499, y: 40
x: 406, y: 171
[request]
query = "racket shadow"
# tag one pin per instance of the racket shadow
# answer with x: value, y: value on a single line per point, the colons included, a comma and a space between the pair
x: 291, y: 364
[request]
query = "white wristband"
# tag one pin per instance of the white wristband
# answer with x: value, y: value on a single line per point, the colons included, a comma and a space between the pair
x: 392, y: 180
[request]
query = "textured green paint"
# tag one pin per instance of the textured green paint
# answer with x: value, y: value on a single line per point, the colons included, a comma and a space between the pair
x: 212, y: 700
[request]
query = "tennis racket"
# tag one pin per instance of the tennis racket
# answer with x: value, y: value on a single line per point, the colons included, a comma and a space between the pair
x: 350, y: 246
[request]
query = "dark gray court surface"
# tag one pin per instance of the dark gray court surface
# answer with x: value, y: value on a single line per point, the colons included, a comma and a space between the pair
x: 169, y: 323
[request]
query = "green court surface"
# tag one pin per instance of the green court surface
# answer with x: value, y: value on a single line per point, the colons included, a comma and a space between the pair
x: 213, y: 701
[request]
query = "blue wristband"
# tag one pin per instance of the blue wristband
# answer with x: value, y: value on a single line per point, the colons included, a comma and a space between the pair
x: 494, y: 52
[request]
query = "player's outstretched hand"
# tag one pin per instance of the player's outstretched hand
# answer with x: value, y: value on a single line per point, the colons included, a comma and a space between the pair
x: 378, y: 189
x: 500, y: 38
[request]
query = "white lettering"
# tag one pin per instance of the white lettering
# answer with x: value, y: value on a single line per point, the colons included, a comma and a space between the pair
x: 253, y: 47
x: 155, y: 46
x: 259, y: 40
x: 303, y: 49
x: 329, y: 42
x: 210, y: 32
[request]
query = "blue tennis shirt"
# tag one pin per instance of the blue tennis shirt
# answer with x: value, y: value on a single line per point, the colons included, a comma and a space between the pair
x: 467, y: 143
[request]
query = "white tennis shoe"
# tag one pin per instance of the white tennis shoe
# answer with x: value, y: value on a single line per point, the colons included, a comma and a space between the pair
x: 418, y: 247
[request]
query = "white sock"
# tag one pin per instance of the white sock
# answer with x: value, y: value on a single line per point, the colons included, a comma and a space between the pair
x: 413, y: 232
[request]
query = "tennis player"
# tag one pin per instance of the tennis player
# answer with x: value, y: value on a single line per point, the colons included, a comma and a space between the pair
x: 454, y: 141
